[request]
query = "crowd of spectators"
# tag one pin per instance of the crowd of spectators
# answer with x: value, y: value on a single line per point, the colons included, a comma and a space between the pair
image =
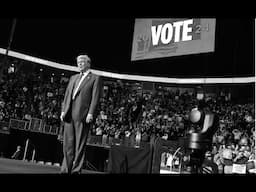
x: 234, y: 142
x: 165, y: 114
x: 26, y: 95
x: 124, y: 112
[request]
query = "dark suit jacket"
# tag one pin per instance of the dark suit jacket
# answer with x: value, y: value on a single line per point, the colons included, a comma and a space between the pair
x: 86, y: 100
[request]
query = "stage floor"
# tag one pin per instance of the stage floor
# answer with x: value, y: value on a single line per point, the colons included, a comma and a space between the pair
x: 11, y: 166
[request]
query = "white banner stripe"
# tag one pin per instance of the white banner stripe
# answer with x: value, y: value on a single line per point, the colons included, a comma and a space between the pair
x: 2, y: 51
x: 132, y: 77
x: 38, y: 60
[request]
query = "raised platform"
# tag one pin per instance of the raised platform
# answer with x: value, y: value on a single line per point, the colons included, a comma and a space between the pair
x: 10, y: 166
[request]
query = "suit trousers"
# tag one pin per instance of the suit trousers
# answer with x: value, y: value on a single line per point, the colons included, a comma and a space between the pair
x: 74, y: 143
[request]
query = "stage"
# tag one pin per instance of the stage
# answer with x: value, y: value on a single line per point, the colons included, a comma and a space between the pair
x: 10, y: 166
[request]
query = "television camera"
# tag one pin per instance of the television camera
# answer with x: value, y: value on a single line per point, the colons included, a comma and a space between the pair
x: 198, y: 142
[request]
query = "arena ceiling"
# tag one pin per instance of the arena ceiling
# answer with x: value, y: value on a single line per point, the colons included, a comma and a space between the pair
x: 108, y: 42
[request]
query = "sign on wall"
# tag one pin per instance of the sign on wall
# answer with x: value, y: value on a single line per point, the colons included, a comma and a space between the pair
x: 156, y: 38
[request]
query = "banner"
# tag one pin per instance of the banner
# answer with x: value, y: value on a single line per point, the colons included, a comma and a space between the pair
x: 156, y: 38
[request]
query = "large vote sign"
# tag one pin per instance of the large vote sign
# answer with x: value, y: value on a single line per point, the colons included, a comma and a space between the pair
x: 156, y: 38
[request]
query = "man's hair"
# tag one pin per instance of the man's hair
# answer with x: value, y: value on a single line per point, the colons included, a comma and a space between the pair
x: 85, y: 55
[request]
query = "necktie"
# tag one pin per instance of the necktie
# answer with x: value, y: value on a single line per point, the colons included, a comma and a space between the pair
x: 78, y: 79
x: 77, y: 83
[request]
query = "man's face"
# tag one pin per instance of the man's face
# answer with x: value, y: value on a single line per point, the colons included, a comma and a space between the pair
x: 83, y: 64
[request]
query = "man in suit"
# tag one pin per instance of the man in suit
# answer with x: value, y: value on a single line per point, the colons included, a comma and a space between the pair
x: 78, y: 111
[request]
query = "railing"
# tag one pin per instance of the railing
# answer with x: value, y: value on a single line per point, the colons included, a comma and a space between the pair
x: 106, y: 141
x: 18, y: 124
x: 4, y: 127
x: 33, y: 125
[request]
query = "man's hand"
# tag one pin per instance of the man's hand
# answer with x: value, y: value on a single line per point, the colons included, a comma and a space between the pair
x: 89, y: 118
x: 62, y: 116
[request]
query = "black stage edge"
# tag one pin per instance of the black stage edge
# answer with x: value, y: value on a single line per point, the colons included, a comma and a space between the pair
x: 10, y: 166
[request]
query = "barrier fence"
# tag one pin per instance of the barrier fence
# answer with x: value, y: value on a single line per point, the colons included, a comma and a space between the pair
x: 4, y: 127
x: 33, y: 125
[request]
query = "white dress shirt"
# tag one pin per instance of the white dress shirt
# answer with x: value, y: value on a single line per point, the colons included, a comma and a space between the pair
x: 81, y: 80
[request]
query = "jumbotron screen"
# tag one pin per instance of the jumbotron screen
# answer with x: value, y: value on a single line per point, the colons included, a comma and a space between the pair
x: 158, y: 38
